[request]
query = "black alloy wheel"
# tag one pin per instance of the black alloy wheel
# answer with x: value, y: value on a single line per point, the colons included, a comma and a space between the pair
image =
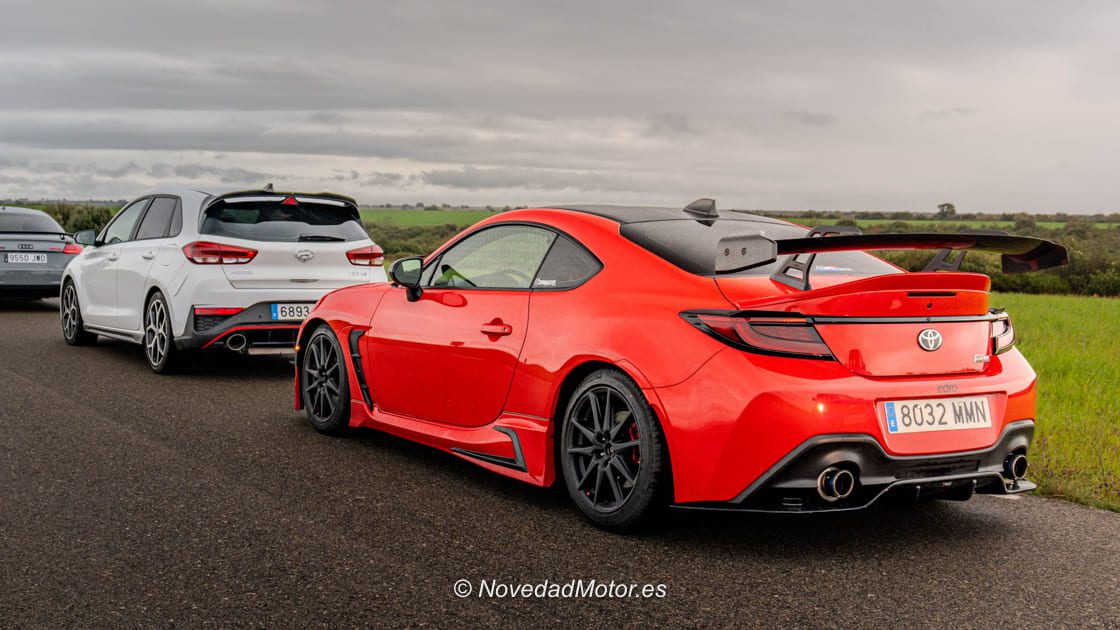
x: 324, y: 382
x: 612, y: 451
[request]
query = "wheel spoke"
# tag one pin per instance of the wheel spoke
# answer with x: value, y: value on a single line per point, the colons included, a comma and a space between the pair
x: 583, y: 450
x: 623, y: 417
x: 592, y: 466
x: 613, y: 483
x: 598, y: 483
x: 625, y: 445
x: 590, y: 435
x: 593, y: 403
x: 621, y: 468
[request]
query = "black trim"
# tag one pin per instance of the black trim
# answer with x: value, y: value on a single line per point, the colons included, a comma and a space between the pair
x: 693, y: 317
x: 645, y: 214
x: 356, y: 358
x: 804, y: 267
x: 934, y: 319
x: 516, y: 463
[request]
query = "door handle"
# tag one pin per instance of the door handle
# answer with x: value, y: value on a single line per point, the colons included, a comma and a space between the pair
x: 148, y: 255
x: 496, y: 329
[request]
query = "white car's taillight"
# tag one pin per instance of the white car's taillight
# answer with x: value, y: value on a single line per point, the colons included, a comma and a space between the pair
x: 369, y: 256
x: 204, y: 253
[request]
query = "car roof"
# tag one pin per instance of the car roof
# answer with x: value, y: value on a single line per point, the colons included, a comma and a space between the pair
x: 642, y: 214
x: 19, y: 210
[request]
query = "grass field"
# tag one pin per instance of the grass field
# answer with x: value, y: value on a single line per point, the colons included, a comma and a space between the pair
x: 1073, y: 345
x: 462, y: 218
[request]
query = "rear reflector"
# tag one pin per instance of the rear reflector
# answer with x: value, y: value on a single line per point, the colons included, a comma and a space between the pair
x: 370, y: 256
x: 204, y: 253
x: 773, y: 334
x: 72, y: 248
x: 216, y: 311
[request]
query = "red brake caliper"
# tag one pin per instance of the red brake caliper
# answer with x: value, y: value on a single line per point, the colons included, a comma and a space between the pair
x: 636, y: 455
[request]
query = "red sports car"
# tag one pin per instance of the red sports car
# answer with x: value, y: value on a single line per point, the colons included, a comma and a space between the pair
x: 649, y: 356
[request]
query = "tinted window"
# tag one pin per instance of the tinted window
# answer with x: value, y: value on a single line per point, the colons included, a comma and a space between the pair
x: 505, y: 257
x: 27, y: 222
x: 567, y: 265
x: 691, y: 245
x: 121, y: 227
x: 274, y: 221
x: 157, y: 219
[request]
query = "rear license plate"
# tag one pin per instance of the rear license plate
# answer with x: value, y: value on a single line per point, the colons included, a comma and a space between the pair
x: 26, y: 258
x: 937, y: 414
x: 290, y: 311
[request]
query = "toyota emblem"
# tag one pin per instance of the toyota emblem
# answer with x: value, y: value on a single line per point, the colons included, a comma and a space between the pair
x: 305, y: 255
x: 929, y: 339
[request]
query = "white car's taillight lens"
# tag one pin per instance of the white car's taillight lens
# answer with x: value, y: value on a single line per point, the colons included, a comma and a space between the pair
x: 368, y: 256
x: 204, y: 253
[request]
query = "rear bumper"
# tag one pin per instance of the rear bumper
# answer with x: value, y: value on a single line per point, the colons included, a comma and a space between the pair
x: 791, y: 485
x: 740, y: 416
x: 255, y: 324
x: 31, y: 282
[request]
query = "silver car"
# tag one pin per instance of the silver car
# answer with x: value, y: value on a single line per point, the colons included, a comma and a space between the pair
x: 34, y: 250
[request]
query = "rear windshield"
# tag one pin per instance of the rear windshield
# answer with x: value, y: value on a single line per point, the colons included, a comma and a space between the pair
x: 691, y: 245
x: 274, y: 221
x: 27, y: 222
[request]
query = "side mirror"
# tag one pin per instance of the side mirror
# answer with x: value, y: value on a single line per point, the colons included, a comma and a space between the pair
x: 406, y: 273
x: 85, y: 237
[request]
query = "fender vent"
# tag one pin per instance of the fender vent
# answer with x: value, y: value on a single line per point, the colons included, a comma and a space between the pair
x: 356, y: 359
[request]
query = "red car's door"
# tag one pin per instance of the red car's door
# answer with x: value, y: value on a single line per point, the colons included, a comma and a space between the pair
x: 450, y: 356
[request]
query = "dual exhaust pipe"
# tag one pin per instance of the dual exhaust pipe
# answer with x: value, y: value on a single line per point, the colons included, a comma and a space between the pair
x: 236, y: 342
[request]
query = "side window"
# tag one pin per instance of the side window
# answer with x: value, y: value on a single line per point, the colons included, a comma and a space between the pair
x: 120, y: 228
x: 567, y: 265
x: 502, y: 257
x: 158, y: 218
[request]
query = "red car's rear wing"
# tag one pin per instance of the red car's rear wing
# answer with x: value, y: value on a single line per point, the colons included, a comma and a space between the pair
x: 1020, y: 254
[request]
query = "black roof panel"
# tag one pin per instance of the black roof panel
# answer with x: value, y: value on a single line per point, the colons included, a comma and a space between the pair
x: 641, y: 214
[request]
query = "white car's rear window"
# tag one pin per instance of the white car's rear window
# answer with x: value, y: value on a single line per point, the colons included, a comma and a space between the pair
x: 280, y: 222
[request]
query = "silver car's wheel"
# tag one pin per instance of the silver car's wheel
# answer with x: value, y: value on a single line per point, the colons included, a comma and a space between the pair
x: 71, y: 314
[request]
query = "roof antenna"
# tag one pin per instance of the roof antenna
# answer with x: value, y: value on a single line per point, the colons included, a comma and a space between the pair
x: 268, y: 187
x: 703, y: 208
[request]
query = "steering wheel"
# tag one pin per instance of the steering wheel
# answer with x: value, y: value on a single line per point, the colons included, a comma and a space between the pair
x: 449, y: 272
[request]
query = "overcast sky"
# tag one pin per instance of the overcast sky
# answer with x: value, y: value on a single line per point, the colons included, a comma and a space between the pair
x: 831, y: 105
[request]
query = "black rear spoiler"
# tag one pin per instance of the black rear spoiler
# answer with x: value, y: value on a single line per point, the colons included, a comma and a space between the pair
x: 1020, y: 254
x: 64, y: 235
x: 280, y: 196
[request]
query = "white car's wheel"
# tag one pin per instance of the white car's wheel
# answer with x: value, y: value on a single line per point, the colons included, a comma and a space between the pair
x: 71, y: 315
x: 159, y: 342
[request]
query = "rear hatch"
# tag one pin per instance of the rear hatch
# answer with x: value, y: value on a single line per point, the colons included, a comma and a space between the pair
x: 298, y: 241
x: 875, y: 325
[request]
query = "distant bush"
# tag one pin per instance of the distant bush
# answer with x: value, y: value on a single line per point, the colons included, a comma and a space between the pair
x: 76, y: 217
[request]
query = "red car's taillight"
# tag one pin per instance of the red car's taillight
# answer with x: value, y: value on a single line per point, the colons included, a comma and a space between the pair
x: 203, y: 253
x: 369, y: 256
x: 72, y: 248
x: 764, y: 333
x: 1003, y: 334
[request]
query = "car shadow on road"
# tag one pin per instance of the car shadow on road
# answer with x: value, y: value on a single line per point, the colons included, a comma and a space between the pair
x: 763, y: 535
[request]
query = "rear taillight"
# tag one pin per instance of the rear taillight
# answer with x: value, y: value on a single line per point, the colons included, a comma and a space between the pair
x: 203, y: 253
x: 369, y: 256
x: 72, y: 248
x: 765, y: 333
x: 216, y: 311
x: 1003, y: 333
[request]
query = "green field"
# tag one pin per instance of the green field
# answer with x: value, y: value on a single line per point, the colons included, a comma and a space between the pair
x: 461, y: 218
x: 1073, y: 345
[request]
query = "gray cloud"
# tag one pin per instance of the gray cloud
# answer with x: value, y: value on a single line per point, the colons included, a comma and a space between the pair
x: 879, y: 105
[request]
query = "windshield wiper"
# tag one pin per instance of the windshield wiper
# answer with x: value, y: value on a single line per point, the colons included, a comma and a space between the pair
x: 319, y: 237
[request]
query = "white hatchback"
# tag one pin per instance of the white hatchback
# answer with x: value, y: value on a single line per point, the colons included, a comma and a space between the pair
x: 188, y: 270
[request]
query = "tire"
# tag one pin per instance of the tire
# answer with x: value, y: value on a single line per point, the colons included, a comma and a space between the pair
x: 159, y: 340
x: 325, y: 383
x: 616, y: 472
x: 70, y: 314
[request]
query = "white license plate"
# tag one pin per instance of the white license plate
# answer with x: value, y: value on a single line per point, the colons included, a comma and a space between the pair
x: 937, y: 414
x: 26, y: 258
x: 290, y: 311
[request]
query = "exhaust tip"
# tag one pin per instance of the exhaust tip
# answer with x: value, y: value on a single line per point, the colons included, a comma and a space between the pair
x: 835, y: 484
x: 236, y: 342
x: 1015, y: 466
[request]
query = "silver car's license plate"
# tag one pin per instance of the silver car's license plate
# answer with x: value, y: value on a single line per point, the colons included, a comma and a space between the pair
x: 937, y: 414
x: 290, y: 312
x: 16, y: 257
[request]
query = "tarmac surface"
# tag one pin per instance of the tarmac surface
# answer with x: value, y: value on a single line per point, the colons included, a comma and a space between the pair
x: 132, y: 499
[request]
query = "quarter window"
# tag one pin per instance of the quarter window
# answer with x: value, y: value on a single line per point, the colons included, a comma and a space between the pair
x: 503, y: 257
x: 158, y: 218
x: 121, y: 227
x: 567, y: 265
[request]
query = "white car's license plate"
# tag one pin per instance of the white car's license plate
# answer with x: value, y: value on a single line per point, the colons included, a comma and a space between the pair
x: 26, y: 258
x: 290, y: 311
x: 937, y: 414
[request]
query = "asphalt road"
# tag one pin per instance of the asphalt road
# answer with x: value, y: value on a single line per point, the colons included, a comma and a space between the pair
x: 131, y: 499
